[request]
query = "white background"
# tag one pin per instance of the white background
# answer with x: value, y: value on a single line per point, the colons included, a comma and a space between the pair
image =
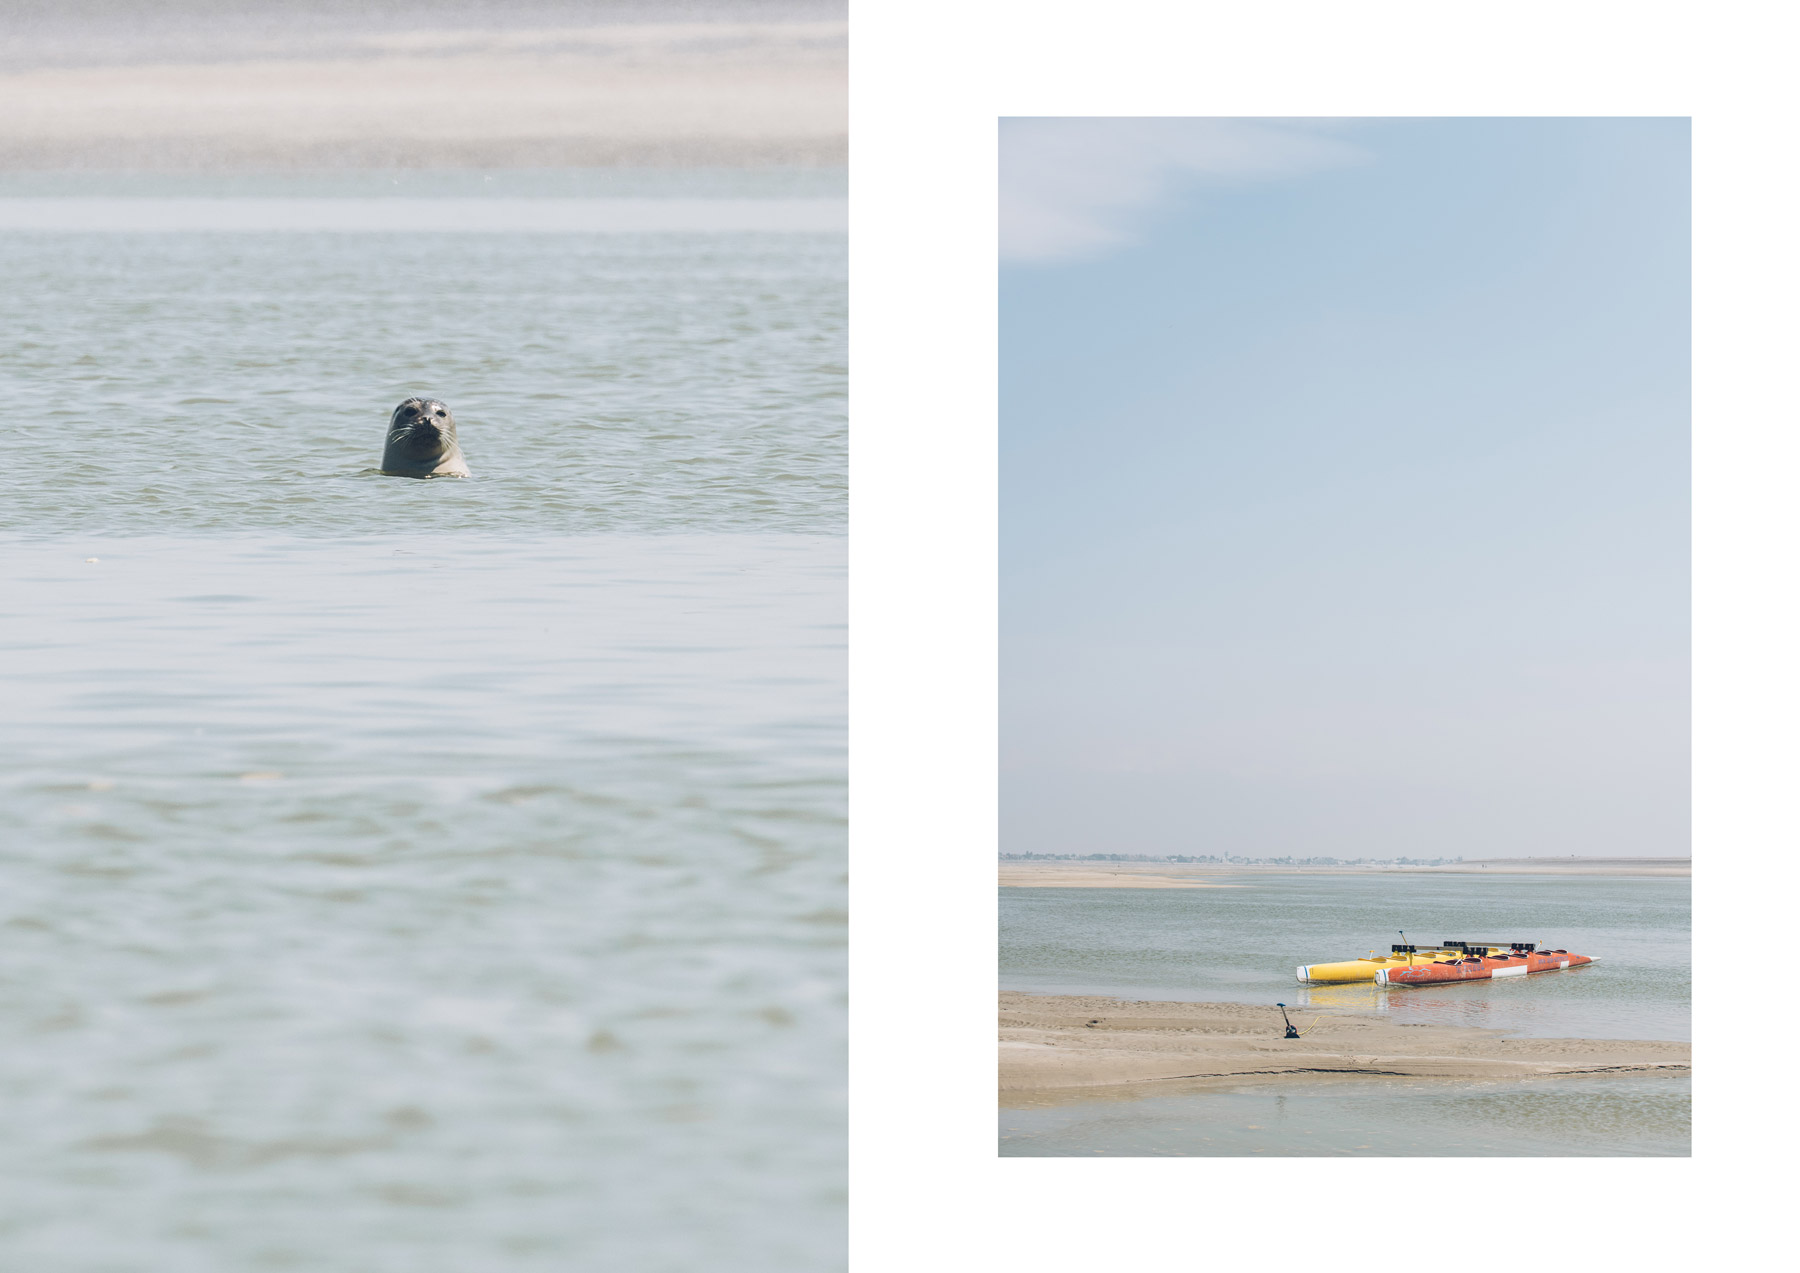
x: 928, y: 81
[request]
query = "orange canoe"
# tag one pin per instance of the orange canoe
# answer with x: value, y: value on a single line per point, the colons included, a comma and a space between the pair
x: 1482, y: 964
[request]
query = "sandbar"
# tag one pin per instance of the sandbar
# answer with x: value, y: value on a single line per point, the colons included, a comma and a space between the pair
x: 1564, y: 866
x: 671, y: 94
x: 1077, y: 875
x: 1018, y: 873
x: 1069, y: 1042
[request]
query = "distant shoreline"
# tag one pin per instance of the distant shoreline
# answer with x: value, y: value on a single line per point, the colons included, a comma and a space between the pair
x: 1079, y: 1043
x: 1097, y: 873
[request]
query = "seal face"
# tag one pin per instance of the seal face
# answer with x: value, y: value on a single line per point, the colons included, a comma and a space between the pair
x: 421, y: 441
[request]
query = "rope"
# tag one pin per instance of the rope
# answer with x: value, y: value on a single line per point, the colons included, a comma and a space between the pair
x: 1309, y: 1028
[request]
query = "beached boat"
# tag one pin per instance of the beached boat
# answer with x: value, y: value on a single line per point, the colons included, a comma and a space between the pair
x: 1478, y: 961
x: 1367, y: 969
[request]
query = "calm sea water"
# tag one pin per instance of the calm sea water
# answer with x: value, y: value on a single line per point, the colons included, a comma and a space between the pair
x: 1241, y: 945
x: 406, y: 874
x: 177, y: 383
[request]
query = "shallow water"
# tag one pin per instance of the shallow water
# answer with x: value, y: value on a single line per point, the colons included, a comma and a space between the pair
x: 414, y: 874
x: 1241, y: 945
x: 168, y: 383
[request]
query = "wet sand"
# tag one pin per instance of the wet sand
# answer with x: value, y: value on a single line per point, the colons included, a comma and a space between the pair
x: 1023, y: 874
x: 1078, y: 1041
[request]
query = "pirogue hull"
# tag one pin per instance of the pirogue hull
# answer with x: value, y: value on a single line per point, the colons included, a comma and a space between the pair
x: 1517, y: 963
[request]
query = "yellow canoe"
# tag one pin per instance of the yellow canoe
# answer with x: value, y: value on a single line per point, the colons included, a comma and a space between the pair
x: 1365, y: 969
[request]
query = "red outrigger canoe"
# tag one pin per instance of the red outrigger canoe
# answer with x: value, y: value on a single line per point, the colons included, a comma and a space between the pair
x: 1481, y: 961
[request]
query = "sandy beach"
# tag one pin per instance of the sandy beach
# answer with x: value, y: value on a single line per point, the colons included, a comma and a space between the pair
x: 646, y: 93
x: 1098, y: 875
x: 1028, y: 874
x: 1073, y: 1041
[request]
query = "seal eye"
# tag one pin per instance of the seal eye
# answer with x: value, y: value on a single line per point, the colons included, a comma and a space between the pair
x: 440, y: 411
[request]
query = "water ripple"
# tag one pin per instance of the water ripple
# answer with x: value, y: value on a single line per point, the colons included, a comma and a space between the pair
x: 176, y: 383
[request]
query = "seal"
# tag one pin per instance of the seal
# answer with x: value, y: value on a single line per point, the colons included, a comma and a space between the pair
x: 421, y: 441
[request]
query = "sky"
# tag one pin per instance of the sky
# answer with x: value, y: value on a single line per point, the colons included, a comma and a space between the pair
x: 1344, y: 487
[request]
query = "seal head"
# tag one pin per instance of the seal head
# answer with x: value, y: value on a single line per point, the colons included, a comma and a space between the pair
x: 421, y: 441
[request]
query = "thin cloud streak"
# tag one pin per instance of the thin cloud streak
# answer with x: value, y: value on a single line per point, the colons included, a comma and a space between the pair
x: 1074, y: 188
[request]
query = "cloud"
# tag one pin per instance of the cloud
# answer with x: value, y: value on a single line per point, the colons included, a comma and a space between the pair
x: 1075, y: 187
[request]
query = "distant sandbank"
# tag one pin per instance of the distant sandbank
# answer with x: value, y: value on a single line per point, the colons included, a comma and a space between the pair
x: 658, y: 94
x: 1076, y: 1041
x: 1099, y: 875
x: 1095, y: 874
x: 1563, y: 866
